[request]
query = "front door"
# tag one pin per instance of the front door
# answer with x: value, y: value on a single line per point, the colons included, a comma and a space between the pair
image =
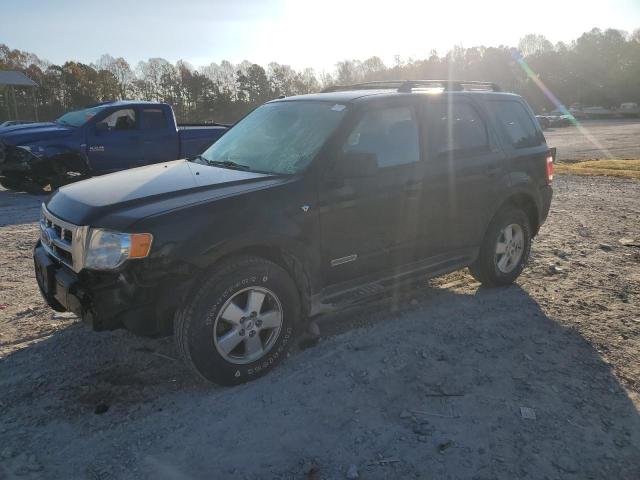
x: 114, y: 142
x: 370, y: 223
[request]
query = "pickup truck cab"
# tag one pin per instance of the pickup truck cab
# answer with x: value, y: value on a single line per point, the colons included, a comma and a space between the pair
x: 96, y: 140
x: 308, y: 204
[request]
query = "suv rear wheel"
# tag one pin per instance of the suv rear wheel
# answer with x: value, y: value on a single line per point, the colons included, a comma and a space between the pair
x: 505, y: 249
x: 240, y: 323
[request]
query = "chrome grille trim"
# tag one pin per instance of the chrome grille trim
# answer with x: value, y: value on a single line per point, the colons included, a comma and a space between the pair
x: 63, y: 240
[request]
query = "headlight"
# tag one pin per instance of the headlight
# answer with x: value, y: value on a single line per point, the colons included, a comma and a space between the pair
x: 107, y: 249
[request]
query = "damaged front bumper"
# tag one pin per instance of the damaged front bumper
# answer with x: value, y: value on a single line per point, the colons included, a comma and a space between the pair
x: 104, y: 300
x: 17, y: 162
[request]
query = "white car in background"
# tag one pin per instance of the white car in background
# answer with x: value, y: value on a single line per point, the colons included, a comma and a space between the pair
x: 629, y: 109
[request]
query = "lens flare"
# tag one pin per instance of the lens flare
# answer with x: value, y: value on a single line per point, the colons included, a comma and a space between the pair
x: 515, y: 54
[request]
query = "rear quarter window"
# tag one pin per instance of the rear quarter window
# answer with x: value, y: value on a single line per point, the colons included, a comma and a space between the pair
x: 517, y: 123
x: 153, y: 119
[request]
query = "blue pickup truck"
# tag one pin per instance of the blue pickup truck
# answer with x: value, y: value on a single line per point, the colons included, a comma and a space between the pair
x: 99, y: 139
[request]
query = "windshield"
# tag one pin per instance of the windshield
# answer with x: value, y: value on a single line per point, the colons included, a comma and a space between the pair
x: 78, y: 117
x: 280, y: 137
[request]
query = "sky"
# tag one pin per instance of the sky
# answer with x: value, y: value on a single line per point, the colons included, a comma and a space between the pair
x: 302, y: 33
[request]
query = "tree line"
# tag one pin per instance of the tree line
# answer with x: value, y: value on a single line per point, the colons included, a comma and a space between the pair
x: 598, y: 68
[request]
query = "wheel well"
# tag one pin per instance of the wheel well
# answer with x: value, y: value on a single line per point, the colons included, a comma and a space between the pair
x: 70, y: 161
x: 526, y: 203
x: 281, y: 257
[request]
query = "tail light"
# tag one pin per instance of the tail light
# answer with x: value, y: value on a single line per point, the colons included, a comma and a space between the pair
x: 550, y: 159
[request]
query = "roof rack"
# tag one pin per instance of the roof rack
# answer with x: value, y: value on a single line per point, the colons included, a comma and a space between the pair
x: 407, y: 86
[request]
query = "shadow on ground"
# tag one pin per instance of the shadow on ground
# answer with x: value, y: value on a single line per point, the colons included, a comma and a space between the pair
x: 431, y: 384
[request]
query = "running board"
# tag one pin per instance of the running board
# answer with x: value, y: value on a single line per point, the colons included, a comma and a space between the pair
x: 411, y: 277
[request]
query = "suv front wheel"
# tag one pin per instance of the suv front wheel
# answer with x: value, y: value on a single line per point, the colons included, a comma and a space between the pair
x: 240, y: 323
x: 505, y: 249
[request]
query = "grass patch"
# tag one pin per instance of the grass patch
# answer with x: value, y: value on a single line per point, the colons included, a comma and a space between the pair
x: 610, y: 168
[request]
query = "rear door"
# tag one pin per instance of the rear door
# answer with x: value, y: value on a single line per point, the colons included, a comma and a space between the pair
x: 160, y: 137
x: 369, y: 223
x: 465, y: 175
x: 119, y: 145
x: 523, y: 142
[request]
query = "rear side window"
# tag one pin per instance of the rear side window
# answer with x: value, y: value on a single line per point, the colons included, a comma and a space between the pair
x: 153, y: 119
x: 457, y: 128
x: 517, y: 123
x: 390, y: 133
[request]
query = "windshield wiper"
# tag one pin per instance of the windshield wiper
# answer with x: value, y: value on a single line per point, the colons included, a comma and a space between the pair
x: 225, y: 164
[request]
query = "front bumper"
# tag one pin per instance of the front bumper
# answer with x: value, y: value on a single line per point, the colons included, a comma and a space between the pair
x: 104, y: 301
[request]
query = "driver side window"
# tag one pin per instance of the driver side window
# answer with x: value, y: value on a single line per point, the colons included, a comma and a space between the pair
x: 124, y: 119
x: 389, y: 133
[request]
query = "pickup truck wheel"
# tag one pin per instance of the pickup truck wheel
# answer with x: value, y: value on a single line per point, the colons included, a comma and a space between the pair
x: 240, y: 323
x: 505, y: 249
x: 22, y: 184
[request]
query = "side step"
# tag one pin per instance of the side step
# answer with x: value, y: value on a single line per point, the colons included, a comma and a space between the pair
x: 404, y: 279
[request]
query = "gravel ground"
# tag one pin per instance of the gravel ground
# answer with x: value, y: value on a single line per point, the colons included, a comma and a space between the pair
x: 540, y: 380
x: 597, y: 140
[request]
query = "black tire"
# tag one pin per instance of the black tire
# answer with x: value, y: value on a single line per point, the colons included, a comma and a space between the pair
x: 22, y: 184
x: 195, y: 321
x: 485, y: 269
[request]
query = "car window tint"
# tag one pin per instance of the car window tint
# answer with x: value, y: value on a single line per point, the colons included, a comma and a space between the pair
x: 390, y: 133
x: 124, y: 119
x: 457, y: 127
x: 517, y: 123
x: 153, y: 119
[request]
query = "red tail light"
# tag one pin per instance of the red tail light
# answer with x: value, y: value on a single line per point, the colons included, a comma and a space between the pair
x: 550, y: 156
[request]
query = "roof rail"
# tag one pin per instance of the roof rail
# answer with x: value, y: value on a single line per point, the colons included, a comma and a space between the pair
x: 407, y: 86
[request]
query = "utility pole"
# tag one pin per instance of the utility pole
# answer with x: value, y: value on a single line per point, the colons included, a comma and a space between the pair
x: 15, y: 104
x: 35, y: 103
x: 6, y: 101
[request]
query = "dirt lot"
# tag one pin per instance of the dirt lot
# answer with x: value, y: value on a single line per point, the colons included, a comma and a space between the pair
x: 433, y: 383
x: 597, y: 140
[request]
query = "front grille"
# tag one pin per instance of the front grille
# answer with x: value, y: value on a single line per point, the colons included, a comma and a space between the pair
x: 62, y: 240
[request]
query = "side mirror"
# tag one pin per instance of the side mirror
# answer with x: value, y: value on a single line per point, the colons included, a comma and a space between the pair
x: 102, y: 127
x: 356, y: 164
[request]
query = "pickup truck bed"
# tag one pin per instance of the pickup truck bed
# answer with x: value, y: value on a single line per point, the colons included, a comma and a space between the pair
x: 195, y: 138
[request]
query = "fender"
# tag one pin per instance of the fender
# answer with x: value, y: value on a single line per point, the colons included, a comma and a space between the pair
x: 523, y: 195
x: 45, y: 164
x: 283, y: 250
x: 299, y: 260
x: 62, y: 159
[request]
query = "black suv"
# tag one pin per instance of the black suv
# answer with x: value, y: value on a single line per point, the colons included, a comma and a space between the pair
x: 309, y: 203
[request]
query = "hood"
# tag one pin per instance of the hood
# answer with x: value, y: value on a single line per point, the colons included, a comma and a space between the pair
x: 119, y: 199
x: 33, y: 132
